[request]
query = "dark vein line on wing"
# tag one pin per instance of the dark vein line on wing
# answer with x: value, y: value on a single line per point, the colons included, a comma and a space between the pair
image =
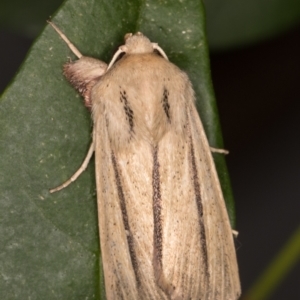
x: 199, y: 203
x: 157, y: 235
x: 130, y: 240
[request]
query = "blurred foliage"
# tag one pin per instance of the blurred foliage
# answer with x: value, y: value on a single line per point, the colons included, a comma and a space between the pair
x: 231, y: 23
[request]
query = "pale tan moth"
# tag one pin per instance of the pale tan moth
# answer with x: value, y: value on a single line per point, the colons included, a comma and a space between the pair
x: 164, y: 228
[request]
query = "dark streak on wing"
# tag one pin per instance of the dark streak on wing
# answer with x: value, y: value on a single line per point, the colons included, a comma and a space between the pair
x: 127, y: 109
x: 165, y: 104
x: 197, y: 190
x: 157, y: 234
x: 167, y: 287
x: 125, y: 220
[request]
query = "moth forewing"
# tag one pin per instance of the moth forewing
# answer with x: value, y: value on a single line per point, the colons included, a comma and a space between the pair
x: 223, y: 267
x: 164, y: 229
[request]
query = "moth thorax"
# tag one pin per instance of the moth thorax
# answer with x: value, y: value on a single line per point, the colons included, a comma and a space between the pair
x: 137, y: 44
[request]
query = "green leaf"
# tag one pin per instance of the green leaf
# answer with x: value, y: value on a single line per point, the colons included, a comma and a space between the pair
x: 49, y: 242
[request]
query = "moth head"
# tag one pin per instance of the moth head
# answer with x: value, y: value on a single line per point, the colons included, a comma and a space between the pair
x: 137, y: 44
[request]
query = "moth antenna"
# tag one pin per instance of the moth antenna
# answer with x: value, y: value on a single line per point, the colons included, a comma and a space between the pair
x: 78, y: 172
x: 70, y: 45
x: 120, y: 50
x: 161, y: 51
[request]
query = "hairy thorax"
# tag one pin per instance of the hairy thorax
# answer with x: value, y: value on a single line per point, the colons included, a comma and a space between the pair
x: 141, y: 102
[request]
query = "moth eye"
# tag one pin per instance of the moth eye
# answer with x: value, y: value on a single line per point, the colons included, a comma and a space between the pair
x: 127, y: 36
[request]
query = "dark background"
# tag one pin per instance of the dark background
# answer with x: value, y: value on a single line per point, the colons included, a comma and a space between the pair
x: 258, y: 95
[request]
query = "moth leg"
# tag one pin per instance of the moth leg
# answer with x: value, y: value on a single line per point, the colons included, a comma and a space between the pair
x: 79, y: 171
x: 217, y: 150
x: 70, y: 45
x: 235, y: 233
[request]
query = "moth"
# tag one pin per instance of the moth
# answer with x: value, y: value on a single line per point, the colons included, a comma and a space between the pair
x: 164, y: 228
